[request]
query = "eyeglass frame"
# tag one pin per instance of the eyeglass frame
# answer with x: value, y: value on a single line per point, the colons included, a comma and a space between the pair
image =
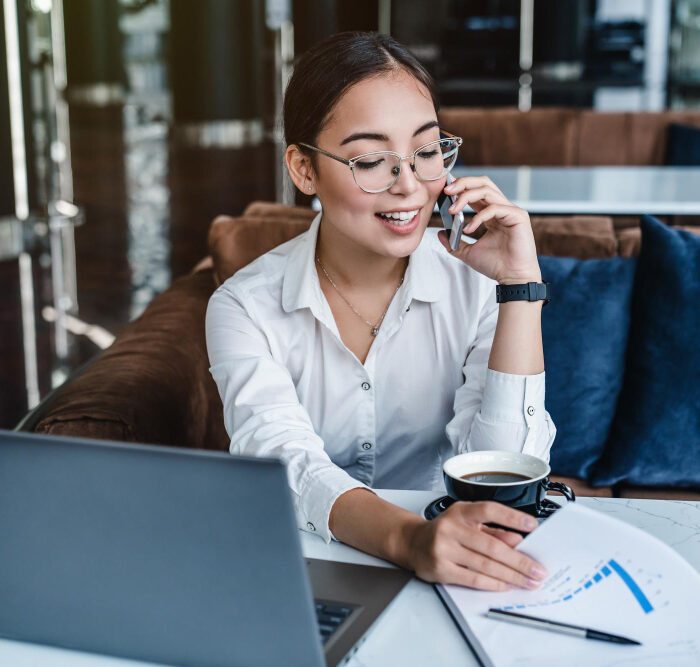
x: 351, y: 162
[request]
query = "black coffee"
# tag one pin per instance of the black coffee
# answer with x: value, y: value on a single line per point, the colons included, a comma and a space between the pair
x: 495, y: 477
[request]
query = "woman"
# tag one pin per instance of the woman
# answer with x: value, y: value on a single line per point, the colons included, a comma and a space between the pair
x: 363, y: 353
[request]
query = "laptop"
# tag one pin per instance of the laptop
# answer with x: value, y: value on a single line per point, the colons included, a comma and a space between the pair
x: 172, y: 556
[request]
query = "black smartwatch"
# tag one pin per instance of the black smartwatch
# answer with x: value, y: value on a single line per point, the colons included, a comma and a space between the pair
x: 524, y: 292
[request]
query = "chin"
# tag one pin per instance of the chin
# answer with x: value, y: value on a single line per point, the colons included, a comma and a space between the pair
x: 402, y: 246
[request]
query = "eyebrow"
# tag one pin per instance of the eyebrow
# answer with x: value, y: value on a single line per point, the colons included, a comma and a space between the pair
x: 375, y: 136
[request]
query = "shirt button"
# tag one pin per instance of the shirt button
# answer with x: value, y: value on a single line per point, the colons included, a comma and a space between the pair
x: 531, y: 411
x: 366, y: 386
x: 310, y: 526
x: 366, y: 445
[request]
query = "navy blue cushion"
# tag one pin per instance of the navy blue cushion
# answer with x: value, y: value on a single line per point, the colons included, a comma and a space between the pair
x: 683, y: 145
x: 584, y: 332
x: 655, y: 437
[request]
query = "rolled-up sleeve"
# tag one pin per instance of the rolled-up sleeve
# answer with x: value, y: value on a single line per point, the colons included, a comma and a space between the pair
x: 494, y: 410
x: 263, y: 415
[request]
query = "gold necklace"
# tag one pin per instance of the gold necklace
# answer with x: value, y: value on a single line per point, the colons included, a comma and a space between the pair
x: 374, y: 328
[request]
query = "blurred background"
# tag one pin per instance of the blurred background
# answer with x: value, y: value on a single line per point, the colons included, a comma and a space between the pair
x: 126, y: 126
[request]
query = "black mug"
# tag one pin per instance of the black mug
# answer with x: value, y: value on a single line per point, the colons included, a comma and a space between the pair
x: 512, y: 478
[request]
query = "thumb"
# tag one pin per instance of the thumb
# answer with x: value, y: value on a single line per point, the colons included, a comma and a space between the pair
x: 462, y: 250
x: 444, y: 239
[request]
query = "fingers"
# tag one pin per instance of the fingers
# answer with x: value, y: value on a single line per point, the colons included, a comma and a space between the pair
x: 507, y: 536
x: 492, y: 512
x: 492, y: 557
x: 503, y: 214
x: 483, y: 565
x: 473, y: 197
x: 469, y: 182
x: 464, y: 576
x: 496, y: 557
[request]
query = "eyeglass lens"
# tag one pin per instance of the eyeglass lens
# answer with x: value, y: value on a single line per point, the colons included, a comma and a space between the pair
x: 378, y: 172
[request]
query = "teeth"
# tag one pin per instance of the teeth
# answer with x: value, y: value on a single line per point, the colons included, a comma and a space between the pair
x: 399, y: 215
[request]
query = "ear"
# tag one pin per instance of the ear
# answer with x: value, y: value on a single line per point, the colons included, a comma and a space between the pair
x: 300, y: 169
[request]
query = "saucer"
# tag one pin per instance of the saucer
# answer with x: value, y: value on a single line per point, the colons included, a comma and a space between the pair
x: 436, y: 507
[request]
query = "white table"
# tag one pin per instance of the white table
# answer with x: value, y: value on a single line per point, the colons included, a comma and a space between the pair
x: 416, y: 629
x: 597, y: 190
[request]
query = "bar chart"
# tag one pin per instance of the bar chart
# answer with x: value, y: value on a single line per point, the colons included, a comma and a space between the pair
x: 611, y: 568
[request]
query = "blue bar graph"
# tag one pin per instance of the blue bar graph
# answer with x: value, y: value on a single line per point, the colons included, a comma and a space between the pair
x: 612, y: 567
x: 632, y: 585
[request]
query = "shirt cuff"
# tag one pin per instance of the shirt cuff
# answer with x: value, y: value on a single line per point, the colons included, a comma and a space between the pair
x: 318, y: 493
x: 512, y: 398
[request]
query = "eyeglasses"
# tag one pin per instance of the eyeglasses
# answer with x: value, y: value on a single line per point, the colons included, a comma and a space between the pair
x: 378, y: 171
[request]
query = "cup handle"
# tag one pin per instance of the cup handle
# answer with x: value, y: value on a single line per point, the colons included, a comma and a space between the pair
x: 562, y: 488
x: 546, y: 508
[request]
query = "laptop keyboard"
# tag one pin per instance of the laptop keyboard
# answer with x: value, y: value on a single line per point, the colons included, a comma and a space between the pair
x: 330, y: 616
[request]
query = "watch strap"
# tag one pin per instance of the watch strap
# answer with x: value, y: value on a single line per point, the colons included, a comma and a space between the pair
x: 524, y: 292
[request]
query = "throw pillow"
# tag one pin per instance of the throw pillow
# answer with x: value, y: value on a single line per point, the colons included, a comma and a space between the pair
x: 236, y: 242
x: 655, y: 437
x: 584, y: 330
x: 683, y: 145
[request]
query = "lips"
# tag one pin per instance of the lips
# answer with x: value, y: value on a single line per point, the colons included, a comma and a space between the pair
x: 399, y: 222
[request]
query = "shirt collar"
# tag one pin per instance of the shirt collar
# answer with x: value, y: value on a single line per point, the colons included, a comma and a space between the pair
x: 301, y: 288
x: 422, y: 281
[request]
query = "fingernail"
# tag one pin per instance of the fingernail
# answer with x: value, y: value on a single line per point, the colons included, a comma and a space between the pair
x: 531, y: 583
x: 530, y: 523
x: 538, y: 572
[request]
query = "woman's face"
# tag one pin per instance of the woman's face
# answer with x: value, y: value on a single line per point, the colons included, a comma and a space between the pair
x: 398, y: 109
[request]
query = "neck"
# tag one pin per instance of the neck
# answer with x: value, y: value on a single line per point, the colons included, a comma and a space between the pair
x: 355, y: 266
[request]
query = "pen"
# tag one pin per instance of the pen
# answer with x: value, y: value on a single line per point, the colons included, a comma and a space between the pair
x: 555, y: 626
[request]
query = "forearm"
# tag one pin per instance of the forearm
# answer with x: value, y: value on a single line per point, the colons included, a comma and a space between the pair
x: 367, y: 522
x: 517, y: 342
x: 455, y: 548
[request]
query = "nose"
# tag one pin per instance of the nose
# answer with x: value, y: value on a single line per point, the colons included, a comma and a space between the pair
x: 407, y: 182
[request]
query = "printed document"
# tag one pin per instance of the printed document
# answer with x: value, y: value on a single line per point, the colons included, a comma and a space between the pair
x: 602, y: 574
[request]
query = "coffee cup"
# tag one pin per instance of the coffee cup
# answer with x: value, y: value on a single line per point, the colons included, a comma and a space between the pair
x: 512, y: 478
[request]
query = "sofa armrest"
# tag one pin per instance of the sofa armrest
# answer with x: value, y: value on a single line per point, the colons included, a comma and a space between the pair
x: 153, y: 384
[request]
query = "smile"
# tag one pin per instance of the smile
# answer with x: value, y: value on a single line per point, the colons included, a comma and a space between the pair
x: 399, y: 218
x: 400, y: 222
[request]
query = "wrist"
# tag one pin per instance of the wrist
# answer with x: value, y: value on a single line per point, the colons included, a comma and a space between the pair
x: 520, y: 280
x: 530, y: 292
x: 402, y: 538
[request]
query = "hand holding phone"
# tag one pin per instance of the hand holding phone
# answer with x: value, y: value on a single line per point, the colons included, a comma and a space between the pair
x: 454, y: 224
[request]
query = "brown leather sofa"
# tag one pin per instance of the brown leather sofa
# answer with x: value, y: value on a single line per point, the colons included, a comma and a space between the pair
x: 562, y: 137
x: 153, y: 385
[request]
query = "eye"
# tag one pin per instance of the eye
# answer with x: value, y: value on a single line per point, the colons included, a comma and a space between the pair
x: 367, y: 164
x: 427, y: 154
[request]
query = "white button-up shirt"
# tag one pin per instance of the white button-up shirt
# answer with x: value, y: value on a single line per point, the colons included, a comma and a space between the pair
x: 291, y: 389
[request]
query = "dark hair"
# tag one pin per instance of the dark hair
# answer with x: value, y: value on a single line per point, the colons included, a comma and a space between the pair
x: 324, y: 72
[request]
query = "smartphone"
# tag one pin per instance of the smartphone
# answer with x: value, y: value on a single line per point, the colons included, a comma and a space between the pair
x: 454, y: 224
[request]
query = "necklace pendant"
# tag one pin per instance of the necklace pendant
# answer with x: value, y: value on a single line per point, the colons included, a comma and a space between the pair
x: 375, y: 331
